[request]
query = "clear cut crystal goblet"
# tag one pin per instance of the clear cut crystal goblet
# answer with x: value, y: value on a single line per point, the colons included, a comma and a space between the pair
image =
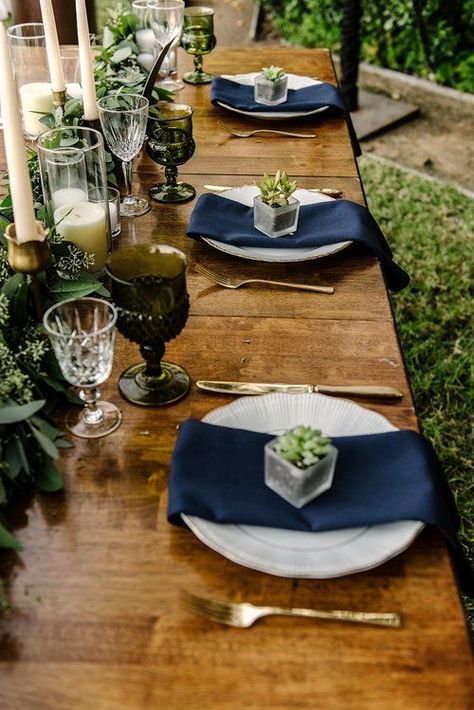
x: 82, y: 334
x: 123, y: 118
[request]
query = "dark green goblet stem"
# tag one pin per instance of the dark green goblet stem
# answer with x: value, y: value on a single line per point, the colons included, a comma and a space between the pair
x: 153, y: 355
x: 198, y: 63
x: 171, y: 173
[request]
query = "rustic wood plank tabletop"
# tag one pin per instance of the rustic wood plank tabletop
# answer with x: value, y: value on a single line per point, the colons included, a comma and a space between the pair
x: 99, y: 624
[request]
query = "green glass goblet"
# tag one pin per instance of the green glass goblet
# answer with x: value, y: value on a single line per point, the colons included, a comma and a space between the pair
x: 170, y: 143
x: 149, y: 289
x: 198, y: 39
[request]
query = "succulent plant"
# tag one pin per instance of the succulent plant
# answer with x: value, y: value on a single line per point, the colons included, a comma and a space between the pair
x: 302, y: 446
x: 276, y: 191
x: 273, y: 73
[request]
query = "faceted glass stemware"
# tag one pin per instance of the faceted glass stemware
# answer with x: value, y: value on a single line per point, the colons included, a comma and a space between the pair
x: 198, y: 39
x: 123, y: 118
x: 149, y: 289
x: 165, y: 18
x: 170, y: 143
x: 82, y: 334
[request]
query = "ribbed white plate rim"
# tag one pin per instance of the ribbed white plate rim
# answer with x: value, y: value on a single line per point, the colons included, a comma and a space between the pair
x: 323, y: 555
x: 245, y: 195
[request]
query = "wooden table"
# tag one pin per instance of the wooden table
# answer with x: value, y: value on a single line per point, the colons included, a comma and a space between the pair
x: 99, y: 623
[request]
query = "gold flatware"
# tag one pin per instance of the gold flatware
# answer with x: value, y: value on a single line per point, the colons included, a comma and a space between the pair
x: 244, y: 615
x: 248, y: 134
x: 329, y: 191
x: 373, y: 391
x: 228, y: 282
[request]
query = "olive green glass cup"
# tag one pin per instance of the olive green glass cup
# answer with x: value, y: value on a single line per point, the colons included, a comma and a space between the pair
x: 148, y: 284
x: 198, y: 39
x: 170, y: 143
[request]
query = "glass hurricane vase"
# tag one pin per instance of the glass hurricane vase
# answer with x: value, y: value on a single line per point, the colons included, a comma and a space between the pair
x: 149, y: 289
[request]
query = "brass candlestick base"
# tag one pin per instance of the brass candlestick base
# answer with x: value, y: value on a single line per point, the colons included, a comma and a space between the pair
x: 59, y: 98
x: 30, y: 258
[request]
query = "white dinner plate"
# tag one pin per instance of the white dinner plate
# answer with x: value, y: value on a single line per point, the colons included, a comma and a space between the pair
x: 293, y: 553
x: 245, y: 196
x: 294, y: 82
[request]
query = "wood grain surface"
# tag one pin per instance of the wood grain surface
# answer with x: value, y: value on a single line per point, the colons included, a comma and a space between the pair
x: 98, y: 622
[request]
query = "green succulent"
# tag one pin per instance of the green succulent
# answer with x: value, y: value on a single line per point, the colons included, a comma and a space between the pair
x: 273, y: 73
x: 276, y: 191
x: 302, y: 446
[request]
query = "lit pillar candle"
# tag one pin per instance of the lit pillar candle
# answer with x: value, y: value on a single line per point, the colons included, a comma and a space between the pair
x: 145, y: 40
x: 36, y: 99
x: 18, y: 175
x: 85, y: 225
x: 85, y: 60
x: 52, y: 46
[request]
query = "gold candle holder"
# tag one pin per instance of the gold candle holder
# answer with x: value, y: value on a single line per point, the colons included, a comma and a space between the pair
x: 59, y: 98
x: 29, y: 258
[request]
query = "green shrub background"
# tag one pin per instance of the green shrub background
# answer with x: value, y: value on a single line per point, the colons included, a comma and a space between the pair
x: 390, y: 36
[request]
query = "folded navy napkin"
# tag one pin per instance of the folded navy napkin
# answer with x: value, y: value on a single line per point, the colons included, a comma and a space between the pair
x: 241, y: 96
x: 319, y: 224
x: 217, y: 473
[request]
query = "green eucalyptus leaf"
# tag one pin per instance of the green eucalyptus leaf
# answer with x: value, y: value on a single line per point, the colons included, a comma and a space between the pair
x: 44, y: 441
x: 64, y: 288
x: 48, y: 429
x: 13, y: 413
x: 121, y: 54
x: 9, y: 541
x: 49, y: 477
x: 13, y: 458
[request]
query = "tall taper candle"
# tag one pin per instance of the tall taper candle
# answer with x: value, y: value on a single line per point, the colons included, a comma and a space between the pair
x: 52, y: 46
x: 18, y: 175
x: 85, y: 59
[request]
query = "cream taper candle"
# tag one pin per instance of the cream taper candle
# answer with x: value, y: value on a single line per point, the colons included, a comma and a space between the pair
x: 85, y: 59
x: 18, y: 175
x: 52, y: 46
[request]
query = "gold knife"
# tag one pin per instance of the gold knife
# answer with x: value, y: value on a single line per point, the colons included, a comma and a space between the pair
x: 372, y: 391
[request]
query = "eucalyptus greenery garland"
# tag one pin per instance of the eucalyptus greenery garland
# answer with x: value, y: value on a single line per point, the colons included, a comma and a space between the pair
x: 31, y: 383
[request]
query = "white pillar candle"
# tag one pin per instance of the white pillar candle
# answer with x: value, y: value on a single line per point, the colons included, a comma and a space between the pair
x: 145, y: 40
x: 68, y: 196
x: 18, y: 175
x: 85, y: 60
x: 146, y: 60
x: 52, y: 46
x: 84, y: 224
x: 74, y: 90
x: 36, y: 99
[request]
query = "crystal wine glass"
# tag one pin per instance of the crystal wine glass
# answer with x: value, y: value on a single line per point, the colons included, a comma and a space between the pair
x: 198, y: 39
x: 82, y: 333
x: 149, y: 289
x: 170, y: 143
x: 123, y: 119
x: 166, y: 20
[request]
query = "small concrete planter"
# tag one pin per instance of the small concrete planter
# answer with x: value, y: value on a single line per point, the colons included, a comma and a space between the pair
x: 275, y: 221
x: 298, y: 485
x: 270, y: 93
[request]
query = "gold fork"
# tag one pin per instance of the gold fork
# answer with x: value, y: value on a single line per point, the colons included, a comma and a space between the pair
x: 227, y: 282
x: 244, y: 615
x: 248, y: 134
x: 330, y: 191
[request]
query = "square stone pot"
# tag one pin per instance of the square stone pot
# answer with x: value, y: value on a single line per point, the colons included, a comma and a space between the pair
x: 270, y: 93
x: 275, y: 221
x: 298, y: 485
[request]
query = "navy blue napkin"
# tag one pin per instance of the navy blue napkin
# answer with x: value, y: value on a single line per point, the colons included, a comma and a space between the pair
x: 319, y: 224
x: 241, y: 96
x: 217, y: 473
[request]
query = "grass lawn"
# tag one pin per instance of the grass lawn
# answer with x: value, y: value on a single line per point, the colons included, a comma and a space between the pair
x: 430, y: 227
